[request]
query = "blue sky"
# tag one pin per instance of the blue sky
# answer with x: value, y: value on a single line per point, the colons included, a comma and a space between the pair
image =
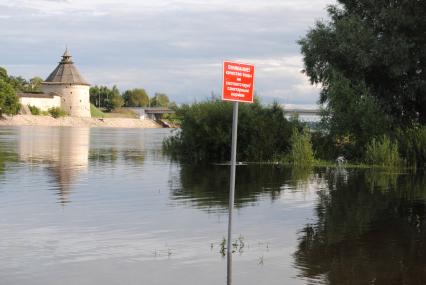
x: 175, y: 47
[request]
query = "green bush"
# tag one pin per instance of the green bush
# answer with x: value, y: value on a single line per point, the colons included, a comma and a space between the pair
x: 301, y: 153
x: 382, y: 152
x: 412, y: 145
x: 9, y: 102
x: 57, y: 112
x: 205, y: 134
x: 95, y: 112
x: 34, y: 110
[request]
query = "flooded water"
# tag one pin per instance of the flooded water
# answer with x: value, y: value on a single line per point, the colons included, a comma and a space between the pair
x: 105, y: 206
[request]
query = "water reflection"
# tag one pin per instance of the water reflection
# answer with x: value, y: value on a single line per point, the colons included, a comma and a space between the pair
x: 64, y: 152
x: 117, y: 147
x: 207, y: 187
x: 6, y: 157
x: 370, y: 229
x: 67, y: 152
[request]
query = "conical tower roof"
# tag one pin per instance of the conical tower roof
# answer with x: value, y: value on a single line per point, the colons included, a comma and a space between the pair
x: 66, y: 72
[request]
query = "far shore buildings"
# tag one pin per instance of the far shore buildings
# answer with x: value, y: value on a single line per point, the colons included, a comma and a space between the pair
x: 64, y: 88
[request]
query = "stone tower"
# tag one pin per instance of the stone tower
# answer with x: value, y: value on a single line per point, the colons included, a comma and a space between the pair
x: 68, y: 83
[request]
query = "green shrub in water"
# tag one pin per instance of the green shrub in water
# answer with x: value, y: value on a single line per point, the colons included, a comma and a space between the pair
x: 382, y: 152
x: 412, y: 145
x: 301, y: 153
x: 205, y: 134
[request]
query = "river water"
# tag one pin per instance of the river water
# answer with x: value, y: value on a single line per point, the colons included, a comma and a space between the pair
x: 106, y: 206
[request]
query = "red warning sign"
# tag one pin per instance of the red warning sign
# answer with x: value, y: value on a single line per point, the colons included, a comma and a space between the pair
x: 238, y: 82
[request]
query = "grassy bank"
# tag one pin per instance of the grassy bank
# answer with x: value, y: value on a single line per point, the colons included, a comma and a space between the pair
x: 95, y: 112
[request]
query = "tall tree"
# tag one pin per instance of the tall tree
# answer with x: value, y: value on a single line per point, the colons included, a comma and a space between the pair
x: 115, y: 100
x: 104, y: 97
x: 18, y: 83
x: 160, y: 100
x: 35, y: 84
x: 136, y: 98
x: 374, y: 54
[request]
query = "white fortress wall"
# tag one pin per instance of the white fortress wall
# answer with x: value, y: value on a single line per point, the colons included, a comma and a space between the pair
x: 43, y: 103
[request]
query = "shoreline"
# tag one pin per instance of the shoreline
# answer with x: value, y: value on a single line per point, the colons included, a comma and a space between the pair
x: 47, y: 121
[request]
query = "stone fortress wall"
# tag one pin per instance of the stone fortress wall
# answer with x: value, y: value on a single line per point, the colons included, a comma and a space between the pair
x: 75, y: 99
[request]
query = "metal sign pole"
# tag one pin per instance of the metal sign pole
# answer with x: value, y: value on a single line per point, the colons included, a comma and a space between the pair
x: 232, y: 190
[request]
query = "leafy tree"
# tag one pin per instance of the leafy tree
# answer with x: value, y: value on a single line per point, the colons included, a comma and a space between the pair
x: 104, y: 97
x: 160, y: 100
x: 136, y: 98
x: 352, y: 116
x: 18, y: 83
x: 380, y: 45
x: 370, y: 59
x: 96, y: 95
x: 35, y: 84
x: 9, y: 102
x: 114, y: 100
x: 3, y: 74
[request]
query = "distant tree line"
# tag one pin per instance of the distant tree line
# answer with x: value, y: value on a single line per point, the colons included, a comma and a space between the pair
x: 111, y: 98
x: 101, y: 96
x: 21, y: 84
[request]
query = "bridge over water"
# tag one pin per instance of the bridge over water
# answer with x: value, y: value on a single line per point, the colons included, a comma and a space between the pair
x: 309, y: 115
x: 311, y: 112
x: 153, y: 113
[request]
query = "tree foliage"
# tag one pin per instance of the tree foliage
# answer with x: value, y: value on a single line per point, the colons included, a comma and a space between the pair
x: 301, y: 153
x: 160, y: 100
x: 370, y: 59
x: 104, y: 97
x: 136, y: 98
x: 20, y: 84
x: 3, y: 74
x: 35, y: 84
x: 378, y: 44
x: 9, y: 102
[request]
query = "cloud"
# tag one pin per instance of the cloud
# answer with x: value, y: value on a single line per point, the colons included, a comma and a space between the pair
x: 171, y: 46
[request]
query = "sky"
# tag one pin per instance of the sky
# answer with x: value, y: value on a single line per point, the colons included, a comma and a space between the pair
x: 173, y: 47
